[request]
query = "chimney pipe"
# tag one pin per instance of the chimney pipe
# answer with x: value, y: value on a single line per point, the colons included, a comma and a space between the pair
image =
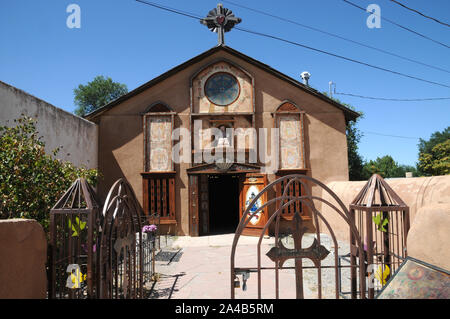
x: 305, y: 76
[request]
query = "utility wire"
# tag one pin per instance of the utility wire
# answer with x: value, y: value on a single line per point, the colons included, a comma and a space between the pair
x: 177, y: 11
x: 400, y: 26
x: 298, y: 44
x: 197, y: 17
x: 423, y: 15
x: 397, y: 136
x: 334, y: 35
x: 393, y: 99
x: 340, y: 57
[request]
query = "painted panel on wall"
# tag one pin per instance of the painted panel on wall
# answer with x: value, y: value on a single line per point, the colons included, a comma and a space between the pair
x: 290, y: 141
x: 159, y: 142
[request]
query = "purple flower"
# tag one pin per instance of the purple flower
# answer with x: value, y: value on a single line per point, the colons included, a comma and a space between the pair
x: 84, y: 246
x: 149, y: 228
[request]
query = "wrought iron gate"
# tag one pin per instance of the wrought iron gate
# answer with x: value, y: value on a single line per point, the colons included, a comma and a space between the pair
x: 121, y: 255
x: 295, y: 229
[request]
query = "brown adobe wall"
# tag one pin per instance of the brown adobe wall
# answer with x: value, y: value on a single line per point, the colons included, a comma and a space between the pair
x: 418, y: 193
x: 23, y: 255
x: 429, y: 236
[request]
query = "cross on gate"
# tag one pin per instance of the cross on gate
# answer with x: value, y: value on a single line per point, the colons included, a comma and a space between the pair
x: 220, y: 20
x: 315, y: 253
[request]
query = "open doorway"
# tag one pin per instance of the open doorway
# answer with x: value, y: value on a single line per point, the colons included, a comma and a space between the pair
x: 223, y: 203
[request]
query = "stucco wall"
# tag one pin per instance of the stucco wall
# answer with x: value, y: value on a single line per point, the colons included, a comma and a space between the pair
x: 417, y: 193
x: 429, y: 235
x: 121, y: 135
x: 23, y: 254
x: 77, y: 136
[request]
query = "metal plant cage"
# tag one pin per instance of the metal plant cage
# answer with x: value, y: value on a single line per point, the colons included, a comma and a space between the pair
x: 382, y: 220
x: 74, y: 239
x: 98, y: 251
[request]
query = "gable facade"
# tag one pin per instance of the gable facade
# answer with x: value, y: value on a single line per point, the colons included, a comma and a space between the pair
x: 235, y: 98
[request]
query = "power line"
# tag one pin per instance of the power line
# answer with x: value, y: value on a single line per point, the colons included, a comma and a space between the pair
x: 177, y: 11
x: 388, y: 135
x: 399, y: 25
x: 423, y: 15
x: 298, y: 44
x: 394, y: 99
x: 334, y: 35
x: 341, y: 57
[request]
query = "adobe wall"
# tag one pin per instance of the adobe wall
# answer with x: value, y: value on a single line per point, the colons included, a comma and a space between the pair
x: 77, y: 136
x: 429, y: 235
x: 23, y: 254
x: 429, y: 202
x: 121, y: 130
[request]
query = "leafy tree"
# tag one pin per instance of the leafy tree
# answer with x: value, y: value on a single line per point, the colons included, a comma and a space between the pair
x: 386, y: 167
x: 32, y: 181
x: 355, y: 161
x: 434, y: 154
x: 437, y: 162
x: 96, y: 94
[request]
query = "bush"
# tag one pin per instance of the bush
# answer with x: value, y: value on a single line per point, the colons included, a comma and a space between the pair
x: 31, y: 181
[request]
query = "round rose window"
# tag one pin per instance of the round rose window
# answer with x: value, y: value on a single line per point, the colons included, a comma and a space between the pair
x: 222, y: 89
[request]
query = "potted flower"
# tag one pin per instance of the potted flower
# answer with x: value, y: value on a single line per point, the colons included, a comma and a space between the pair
x: 150, y: 231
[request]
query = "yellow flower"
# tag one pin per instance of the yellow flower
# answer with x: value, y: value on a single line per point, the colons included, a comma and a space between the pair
x: 381, y: 276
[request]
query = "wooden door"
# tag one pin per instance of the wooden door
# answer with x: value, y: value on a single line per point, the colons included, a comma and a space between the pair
x: 204, y: 204
x: 252, y: 184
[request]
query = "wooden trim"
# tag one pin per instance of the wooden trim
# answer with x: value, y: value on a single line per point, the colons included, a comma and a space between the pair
x: 172, y: 199
x: 164, y: 221
x: 159, y: 195
x: 223, y: 114
x: 288, y: 171
x: 193, y: 206
x: 154, y: 174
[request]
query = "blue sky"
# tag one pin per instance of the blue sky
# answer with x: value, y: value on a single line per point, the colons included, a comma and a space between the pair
x: 132, y: 43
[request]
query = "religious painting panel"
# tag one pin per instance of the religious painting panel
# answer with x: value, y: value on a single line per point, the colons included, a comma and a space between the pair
x: 417, y: 280
x: 159, y: 143
x: 252, y: 185
x: 290, y: 141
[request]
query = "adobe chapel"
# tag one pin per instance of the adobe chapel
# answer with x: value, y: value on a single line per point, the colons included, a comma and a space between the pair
x: 198, y: 142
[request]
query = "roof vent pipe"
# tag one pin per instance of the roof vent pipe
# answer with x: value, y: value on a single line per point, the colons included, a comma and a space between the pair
x: 305, y: 76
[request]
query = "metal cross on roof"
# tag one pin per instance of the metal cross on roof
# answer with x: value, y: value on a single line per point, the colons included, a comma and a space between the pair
x: 220, y: 20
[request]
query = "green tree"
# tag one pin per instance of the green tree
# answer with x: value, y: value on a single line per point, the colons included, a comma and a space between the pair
x: 434, y: 154
x: 437, y: 162
x: 32, y: 181
x: 386, y: 167
x: 96, y: 94
x: 355, y: 161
